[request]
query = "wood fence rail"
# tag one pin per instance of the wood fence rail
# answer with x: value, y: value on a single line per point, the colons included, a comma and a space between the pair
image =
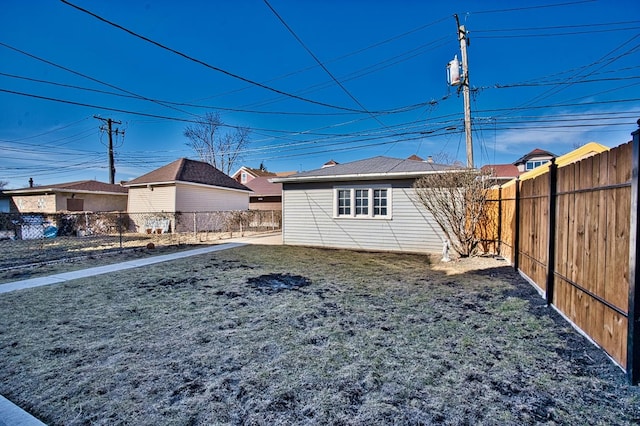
x: 573, y: 233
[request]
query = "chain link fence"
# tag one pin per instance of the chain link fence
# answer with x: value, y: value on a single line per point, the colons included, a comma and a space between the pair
x: 34, y: 238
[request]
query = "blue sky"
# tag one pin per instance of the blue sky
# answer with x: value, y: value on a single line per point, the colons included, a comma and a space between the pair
x: 544, y: 74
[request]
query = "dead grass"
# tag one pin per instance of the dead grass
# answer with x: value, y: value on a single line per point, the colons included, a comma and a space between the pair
x: 29, y: 254
x: 373, y: 339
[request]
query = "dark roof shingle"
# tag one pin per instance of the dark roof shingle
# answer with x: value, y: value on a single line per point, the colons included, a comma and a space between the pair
x: 185, y: 170
x: 535, y: 153
x: 80, y: 185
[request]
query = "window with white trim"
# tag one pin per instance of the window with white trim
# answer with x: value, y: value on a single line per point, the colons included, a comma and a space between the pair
x: 379, y: 202
x: 344, y: 202
x: 362, y: 202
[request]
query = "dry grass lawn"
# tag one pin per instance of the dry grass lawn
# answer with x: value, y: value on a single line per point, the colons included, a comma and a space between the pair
x: 369, y: 338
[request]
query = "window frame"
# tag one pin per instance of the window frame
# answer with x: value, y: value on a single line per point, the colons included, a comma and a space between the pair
x: 346, y: 206
x: 367, y: 208
x: 534, y: 164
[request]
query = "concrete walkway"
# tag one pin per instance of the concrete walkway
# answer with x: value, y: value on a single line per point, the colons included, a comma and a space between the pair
x: 11, y: 414
x: 99, y: 270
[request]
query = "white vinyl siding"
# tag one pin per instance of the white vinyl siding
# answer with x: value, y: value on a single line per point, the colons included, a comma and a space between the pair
x: 195, y: 198
x: 310, y: 218
x: 152, y: 199
x: 182, y: 197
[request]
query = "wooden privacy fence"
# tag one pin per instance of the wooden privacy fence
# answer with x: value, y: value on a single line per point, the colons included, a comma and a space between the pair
x: 572, y: 232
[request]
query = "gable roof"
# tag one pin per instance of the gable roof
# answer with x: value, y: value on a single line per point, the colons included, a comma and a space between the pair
x: 255, y: 172
x: 262, y: 187
x: 370, y: 168
x: 189, y: 171
x: 535, y: 153
x: 81, y: 186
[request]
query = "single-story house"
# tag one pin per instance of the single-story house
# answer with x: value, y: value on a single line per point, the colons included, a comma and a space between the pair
x: 84, y: 195
x: 183, y: 186
x: 365, y: 205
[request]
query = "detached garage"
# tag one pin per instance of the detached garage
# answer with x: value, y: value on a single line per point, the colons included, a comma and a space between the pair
x: 364, y: 205
x: 182, y: 186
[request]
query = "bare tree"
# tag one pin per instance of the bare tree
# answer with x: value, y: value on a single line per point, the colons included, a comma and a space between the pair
x: 220, y: 148
x: 457, y: 200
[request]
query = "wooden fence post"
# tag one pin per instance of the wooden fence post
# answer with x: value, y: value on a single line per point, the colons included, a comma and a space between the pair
x: 516, y: 232
x: 633, y: 318
x: 551, y: 249
x: 499, y: 242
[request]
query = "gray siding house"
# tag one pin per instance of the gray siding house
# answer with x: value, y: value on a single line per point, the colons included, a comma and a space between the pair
x: 364, y: 205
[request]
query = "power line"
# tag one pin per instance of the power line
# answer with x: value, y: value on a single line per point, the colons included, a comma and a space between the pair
x: 559, y: 83
x: 47, y: 132
x: 605, y: 58
x: 124, y: 111
x: 558, y: 34
x: 309, y: 133
x: 71, y: 86
x: 315, y: 58
x: 544, y: 6
x: 89, y: 77
x: 347, y: 55
x: 205, y: 64
x: 555, y: 27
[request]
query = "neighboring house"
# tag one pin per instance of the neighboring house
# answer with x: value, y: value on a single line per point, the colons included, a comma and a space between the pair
x: 85, y: 195
x: 503, y: 173
x: 500, y: 173
x: 183, y: 186
x: 586, y: 150
x: 535, y: 158
x: 266, y: 195
x: 244, y: 175
x: 537, y: 162
x: 368, y: 205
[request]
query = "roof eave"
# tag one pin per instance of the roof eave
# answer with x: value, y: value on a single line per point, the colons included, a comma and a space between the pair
x: 359, y: 176
x: 173, y: 182
x: 38, y: 190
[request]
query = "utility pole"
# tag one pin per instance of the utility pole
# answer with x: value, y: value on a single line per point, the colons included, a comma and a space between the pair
x: 110, y: 132
x: 464, y: 42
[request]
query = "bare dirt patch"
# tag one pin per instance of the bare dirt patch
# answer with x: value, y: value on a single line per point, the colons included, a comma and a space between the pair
x: 277, y: 282
x: 372, y: 338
